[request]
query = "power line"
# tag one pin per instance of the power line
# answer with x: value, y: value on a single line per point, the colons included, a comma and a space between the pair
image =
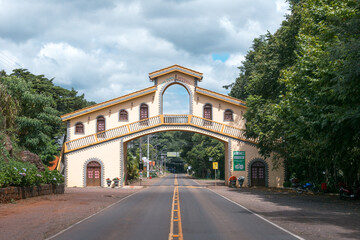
x: 6, y: 64
x: 10, y: 62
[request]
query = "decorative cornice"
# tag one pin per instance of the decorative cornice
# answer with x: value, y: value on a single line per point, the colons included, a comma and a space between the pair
x: 174, y: 68
x: 221, y: 96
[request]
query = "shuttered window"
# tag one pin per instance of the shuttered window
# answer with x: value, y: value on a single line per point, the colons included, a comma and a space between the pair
x: 79, y: 128
x: 228, y: 115
x: 123, y: 115
x: 100, y: 124
x: 208, y: 111
x: 144, y: 111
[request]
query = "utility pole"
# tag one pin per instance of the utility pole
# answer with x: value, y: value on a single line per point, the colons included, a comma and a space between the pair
x: 140, y: 160
x: 148, y: 167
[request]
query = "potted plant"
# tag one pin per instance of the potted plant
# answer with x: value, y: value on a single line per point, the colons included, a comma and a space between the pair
x: 116, y: 181
x: 108, y: 181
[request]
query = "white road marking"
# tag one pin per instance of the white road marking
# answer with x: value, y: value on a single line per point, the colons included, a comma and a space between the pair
x: 266, y: 220
x: 91, y: 216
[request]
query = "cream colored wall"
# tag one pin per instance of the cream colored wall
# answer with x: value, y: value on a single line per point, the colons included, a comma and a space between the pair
x: 218, y: 110
x: 111, y: 115
x: 107, y: 153
x: 188, y: 80
x: 275, y: 177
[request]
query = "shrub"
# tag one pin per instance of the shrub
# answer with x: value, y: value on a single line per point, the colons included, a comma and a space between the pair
x: 23, y: 174
x: 52, y: 177
x: 287, y: 184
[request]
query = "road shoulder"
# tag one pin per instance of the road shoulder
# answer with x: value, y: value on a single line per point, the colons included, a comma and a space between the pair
x: 308, y: 216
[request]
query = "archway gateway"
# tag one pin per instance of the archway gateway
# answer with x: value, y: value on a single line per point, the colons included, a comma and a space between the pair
x: 209, y: 115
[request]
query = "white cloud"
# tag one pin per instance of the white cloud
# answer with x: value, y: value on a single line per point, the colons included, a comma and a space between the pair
x: 235, y: 60
x: 282, y: 7
x: 106, y: 48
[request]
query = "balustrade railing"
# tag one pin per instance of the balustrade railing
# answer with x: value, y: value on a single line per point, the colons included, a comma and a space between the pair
x: 205, y: 123
x: 146, y: 123
x: 81, y: 142
x: 153, y: 122
x: 176, y: 118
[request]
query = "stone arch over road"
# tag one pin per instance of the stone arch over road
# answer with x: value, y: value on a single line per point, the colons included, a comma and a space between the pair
x: 108, y: 145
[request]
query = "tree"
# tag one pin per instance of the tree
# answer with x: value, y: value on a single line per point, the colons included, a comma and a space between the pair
x: 301, y: 86
x: 37, y: 122
x: 205, y: 147
x: 8, y: 109
x: 30, y: 107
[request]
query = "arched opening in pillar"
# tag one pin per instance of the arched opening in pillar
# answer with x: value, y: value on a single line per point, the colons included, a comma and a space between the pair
x: 176, y: 100
x: 179, y: 152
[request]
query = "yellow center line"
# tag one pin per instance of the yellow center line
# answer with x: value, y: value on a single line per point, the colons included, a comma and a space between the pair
x: 175, y: 215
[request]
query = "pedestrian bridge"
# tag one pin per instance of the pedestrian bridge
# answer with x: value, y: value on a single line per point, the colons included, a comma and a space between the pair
x: 96, y: 144
x: 153, y: 122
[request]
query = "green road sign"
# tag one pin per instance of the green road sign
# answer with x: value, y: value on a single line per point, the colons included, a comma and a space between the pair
x: 239, y: 160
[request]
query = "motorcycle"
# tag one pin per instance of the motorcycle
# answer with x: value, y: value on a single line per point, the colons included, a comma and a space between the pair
x: 307, y: 187
x: 345, y: 193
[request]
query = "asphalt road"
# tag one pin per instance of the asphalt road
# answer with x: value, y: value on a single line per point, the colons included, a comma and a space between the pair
x: 176, y: 207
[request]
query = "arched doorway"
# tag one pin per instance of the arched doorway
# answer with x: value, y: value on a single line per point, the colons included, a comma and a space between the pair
x: 258, y: 174
x: 93, y: 174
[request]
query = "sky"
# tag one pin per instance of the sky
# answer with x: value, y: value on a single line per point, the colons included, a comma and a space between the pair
x: 106, y: 49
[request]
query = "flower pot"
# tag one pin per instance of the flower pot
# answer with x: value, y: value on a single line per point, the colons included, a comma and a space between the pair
x: 108, y: 183
x: 116, y: 183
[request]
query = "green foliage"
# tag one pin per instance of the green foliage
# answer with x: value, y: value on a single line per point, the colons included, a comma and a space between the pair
x: 8, y: 109
x: 30, y: 106
x: 132, y: 165
x: 302, y: 89
x: 287, y: 184
x: 22, y: 174
x: 65, y: 100
x: 52, y: 177
x: 195, y: 151
x: 38, y: 122
x: 197, y: 157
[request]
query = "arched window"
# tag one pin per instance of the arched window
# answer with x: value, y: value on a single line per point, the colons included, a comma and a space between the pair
x: 228, y: 115
x: 123, y: 115
x: 79, y: 128
x: 144, y: 111
x: 208, y: 111
x: 100, y: 125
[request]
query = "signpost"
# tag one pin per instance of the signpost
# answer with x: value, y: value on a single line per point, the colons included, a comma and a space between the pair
x: 215, y: 167
x: 141, y: 167
x: 239, y: 160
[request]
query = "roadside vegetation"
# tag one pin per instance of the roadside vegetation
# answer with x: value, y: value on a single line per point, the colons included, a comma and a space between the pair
x: 302, y: 87
x: 30, y: 109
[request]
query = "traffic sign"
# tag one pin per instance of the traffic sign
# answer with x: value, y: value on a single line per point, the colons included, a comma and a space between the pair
x: 239, y: 160
x: 215, y: 165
